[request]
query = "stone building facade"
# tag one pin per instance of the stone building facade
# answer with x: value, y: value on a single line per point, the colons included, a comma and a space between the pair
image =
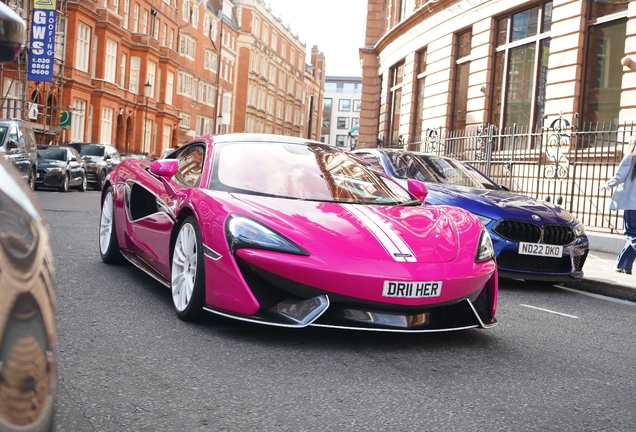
x: 459, y: 64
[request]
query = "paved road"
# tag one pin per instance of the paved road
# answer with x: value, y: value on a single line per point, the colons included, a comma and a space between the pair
x: 558, y: 360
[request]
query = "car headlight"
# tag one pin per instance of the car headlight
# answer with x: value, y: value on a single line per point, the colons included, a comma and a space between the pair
x: 55, y: 170
x: 483, y: 219
x: 485, y: 250
x: 579, y: 230
x: 243, y: 232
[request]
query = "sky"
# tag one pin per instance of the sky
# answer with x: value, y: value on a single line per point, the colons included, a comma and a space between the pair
x: 335, y: 26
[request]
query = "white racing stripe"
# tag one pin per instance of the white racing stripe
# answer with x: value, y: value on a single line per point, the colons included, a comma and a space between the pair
x: 389, y: 239
x: 548, y: 310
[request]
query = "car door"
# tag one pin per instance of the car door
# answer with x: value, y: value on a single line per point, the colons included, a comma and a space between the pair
x: 150, y: 208
x: 74, y: 167
x: 14, y: 148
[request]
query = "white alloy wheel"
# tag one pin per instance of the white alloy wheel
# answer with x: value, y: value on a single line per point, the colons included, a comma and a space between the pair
x: 106, y: 223
x: 184, y: 267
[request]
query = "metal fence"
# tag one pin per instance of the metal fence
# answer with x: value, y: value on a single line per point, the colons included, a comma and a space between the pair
x: 560, y: 163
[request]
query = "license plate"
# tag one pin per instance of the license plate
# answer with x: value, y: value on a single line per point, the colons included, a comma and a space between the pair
x: 412, y: 289
x: 540, y: 250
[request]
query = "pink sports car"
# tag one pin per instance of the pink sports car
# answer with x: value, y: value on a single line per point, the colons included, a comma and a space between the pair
x: 291, y: 232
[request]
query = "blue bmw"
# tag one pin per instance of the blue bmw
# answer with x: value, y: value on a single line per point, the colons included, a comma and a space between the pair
x: 533, y: 239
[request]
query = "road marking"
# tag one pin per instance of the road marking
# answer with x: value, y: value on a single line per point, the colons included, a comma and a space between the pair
x: 548, y: 310
x: 598, y: 296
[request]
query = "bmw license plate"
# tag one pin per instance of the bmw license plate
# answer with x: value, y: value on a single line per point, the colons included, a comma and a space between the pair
x: 412, y: 289
x: 540, y: 250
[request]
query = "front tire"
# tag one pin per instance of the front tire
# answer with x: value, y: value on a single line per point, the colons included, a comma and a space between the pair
x: 84, y: 185
x: 65, y: 182
x: 188, y: 273
x: 32, y: 179
x: 100, y: 180
x: 108, y: 244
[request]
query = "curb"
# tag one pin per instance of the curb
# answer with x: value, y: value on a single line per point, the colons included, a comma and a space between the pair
x: 608, y: 289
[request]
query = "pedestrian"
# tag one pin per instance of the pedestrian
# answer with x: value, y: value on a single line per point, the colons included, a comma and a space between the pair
x: 624, y: 198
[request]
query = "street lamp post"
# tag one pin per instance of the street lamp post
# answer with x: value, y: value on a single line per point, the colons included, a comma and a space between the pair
x: 147, y: 88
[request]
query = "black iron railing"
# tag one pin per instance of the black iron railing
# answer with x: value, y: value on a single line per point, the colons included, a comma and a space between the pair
x: 560, y: 163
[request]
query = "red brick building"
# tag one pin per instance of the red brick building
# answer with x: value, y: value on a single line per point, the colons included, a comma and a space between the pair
x: 147, y: 75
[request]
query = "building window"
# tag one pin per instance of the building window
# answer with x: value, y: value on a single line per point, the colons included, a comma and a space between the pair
x: 126, y: 12
x: 356, y: 105
x: 82, y: 49
x: 135, y: 28
x: 185, y: 85
x: 169, y: 87
x: 210, y: 61
x: 342, y: 122
x: 186, y: 47
x: 340, y: 140
x: 327, y: 104
x: 519, y: 80
x: 150, y: 77
x: 122, y: 70
x: 419, y: 96
x: 602, y: 8
x: 79, y: 120
x: 135, y: 62
x: 111, y: 61
x: 165, y: 138
x: 603, y: 73
x: 395, y: 109
x: 195, y: 16
x: 462, y: 72
x: 60, y: 39
x: 185, y: 121
x: 106, y: 126
x: 344, y: 105
x: 326, y: 122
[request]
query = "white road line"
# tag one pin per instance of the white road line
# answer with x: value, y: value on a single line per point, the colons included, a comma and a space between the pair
x: 598, y: 296
x: 548, y: 310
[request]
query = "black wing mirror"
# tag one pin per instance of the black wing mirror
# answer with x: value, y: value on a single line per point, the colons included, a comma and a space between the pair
x: 12, y: 144
x: 13, y: 35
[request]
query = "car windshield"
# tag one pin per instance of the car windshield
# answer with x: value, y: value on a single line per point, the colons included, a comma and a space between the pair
x: 436, y: 169
x: 52, y: 153
x: 316, y: 172
x: 90, y: 150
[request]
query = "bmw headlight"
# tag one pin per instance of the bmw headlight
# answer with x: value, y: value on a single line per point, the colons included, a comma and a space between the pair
x: 483, y: 219
x: 579, y: 230
x: 485, y: 250
x: 243, y: 232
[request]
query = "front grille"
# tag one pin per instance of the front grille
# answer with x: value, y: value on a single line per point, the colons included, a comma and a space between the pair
x: 558, y: 235
x: 532, y: 233
x: 90, y: 176
x: 518, y: 231
x: 514, y: 261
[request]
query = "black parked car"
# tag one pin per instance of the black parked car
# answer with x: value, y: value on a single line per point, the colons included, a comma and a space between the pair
x: 61, y: 168
x: 17, y: 145
x: 100, y: 160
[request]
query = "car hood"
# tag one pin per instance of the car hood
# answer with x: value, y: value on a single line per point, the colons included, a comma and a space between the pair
x: 50, y: 163
x: 497, y: 204
x: 370, y: 232
x: 93, y: 159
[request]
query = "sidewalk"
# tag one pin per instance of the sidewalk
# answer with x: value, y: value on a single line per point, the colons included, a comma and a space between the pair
x: 599, y: 274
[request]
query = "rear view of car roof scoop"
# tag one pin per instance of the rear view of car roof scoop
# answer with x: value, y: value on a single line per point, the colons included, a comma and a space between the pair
x: 165, y: 169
